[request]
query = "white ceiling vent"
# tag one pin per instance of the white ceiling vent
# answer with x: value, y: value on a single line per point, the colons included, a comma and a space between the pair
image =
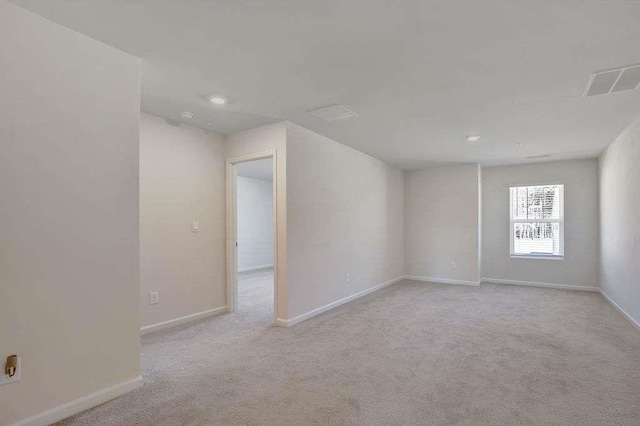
x: 616, y: 80
x: 539, y: 157
x: 333, y: 113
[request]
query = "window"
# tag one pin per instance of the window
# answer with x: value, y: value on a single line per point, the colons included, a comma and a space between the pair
x: 537, y: 221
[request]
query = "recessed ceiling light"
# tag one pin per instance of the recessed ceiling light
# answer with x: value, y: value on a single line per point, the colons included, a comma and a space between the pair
x: 473, y: 138
x: 187, y: 115
x: 219, y: 100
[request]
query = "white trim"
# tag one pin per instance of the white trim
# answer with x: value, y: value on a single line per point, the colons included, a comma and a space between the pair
x: 282, y: 323
x: 538, y: 257
x: 617, y: 307
x: 81, y: 404
x: 231, y: 237
x: 539, y: 284
x: 443, y: 281
x: 252, y: 157
x: 288, y: 323
x: 182, y: 320
x: 255, y: 268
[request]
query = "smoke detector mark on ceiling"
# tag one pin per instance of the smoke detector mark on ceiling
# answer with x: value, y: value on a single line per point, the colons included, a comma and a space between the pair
x: 333, y: 113
x: 615, y: 80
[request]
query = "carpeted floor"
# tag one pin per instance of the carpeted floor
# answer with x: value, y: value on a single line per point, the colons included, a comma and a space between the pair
x: 413, y: 353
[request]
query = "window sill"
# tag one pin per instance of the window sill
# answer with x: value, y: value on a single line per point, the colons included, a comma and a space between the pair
x: 530, y: 256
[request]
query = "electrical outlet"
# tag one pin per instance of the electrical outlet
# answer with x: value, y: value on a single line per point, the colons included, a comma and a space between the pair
x: 154, y: 298
x: 195, y: 226
x: 5, y: 379
x: 454, y: 265
x: 347, y: 278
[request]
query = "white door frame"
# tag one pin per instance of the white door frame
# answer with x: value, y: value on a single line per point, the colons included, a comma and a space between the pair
x: 232, y: 228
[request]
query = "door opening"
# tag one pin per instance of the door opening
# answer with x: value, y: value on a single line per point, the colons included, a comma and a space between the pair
x: 252, y: 236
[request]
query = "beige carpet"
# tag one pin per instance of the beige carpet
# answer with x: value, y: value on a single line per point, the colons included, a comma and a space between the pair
x: 413, y: 353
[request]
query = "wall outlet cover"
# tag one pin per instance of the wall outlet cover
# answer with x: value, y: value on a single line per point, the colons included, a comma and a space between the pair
x: 154, y: 298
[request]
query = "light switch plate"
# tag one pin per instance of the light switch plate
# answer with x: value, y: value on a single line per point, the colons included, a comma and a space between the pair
x: 5, y: 379
x: 154, y: 298
x: 195, y: 226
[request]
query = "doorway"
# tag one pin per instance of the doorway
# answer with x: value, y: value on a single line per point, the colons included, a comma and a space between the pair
x: 252, y: 236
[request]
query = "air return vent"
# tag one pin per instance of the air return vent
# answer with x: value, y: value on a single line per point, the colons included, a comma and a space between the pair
x: 616, y: 80
x: 333, y: 113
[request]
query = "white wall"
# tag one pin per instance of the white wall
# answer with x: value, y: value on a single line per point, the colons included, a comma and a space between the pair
x: 620, y: 220
x: 255, y: 223
x: 442, y: 223
x: 480, y: 222
x: 182, y: 175
x: 580, y: 264
x: 259, y: 140
x: 344, y: 214
x: 69, y: 113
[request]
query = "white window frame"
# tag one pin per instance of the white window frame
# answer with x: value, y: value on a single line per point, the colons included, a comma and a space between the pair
x: 512, y: 221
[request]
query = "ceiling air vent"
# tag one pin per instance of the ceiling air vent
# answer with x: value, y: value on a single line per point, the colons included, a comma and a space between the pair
x: 333, y: 113
x: 538, y: 157
x: 616, y: 80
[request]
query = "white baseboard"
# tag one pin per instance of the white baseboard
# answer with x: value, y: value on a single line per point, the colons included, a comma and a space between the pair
x: 624, y: 313
x: 288, y: 323
x: 255, y: 268
x: 442, y: 281
x: 282, y: 323
x: 182, y: 320
x: 539, y: 284
x: 81, y: 404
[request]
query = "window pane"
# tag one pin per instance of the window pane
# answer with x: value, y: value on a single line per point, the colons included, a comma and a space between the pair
x: 519, y: 202
x: 541, y: 202
x: 537, y: 238
x: 537, y: 202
